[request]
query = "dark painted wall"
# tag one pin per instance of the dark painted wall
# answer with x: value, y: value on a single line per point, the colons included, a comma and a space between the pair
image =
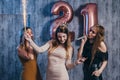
x: 39, y: 17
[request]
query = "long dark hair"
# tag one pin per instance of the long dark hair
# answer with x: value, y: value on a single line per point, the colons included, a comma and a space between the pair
x: 22, y: 39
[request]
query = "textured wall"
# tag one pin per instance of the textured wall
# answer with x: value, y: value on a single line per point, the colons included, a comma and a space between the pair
x: 40, y: 19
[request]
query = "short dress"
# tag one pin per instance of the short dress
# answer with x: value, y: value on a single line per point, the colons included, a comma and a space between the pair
x: 30, y: 69
x: 56, y: 68
x: 96, y: 64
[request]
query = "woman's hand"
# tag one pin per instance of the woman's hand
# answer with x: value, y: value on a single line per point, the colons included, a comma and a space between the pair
x: 97, y: 73
x: 80, y: 60
x: 27, y: 36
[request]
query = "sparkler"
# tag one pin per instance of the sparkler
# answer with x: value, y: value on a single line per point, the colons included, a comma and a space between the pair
x: 24, y: 13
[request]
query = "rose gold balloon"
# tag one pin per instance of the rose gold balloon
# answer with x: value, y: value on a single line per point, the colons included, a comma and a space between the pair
x: 61, y: 6
x: 90, y: 16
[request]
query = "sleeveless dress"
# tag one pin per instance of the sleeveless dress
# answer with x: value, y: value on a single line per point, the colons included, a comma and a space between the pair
x: 30, y: 69
x: 98, y: 59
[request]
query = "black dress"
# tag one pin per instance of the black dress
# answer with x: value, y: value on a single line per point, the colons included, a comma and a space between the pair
x: 98, y: 59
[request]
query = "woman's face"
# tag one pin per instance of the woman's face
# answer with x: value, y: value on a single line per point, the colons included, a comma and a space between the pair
x: 29, y: 31
x: 62, y: 37
x: 92, y: 33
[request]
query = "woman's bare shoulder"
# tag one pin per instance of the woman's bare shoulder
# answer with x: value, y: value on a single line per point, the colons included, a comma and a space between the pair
x: 103, y: 47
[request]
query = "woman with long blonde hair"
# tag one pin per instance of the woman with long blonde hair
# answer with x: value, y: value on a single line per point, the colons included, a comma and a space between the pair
x: 59, y: 54
x: 93, y: 52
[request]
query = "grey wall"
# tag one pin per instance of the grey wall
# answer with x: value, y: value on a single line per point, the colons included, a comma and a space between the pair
x: 40, y: 19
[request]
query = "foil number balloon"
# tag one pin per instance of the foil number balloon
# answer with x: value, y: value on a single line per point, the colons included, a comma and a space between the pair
x: 90, y: 16
x: 65, y: 18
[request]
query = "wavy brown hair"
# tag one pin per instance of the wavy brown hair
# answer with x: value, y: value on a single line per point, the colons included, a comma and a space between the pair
x: 98, y: 39
x: 56, y: 42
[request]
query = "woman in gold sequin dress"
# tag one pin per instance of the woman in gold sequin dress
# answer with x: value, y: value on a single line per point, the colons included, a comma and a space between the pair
x: 28, y: 58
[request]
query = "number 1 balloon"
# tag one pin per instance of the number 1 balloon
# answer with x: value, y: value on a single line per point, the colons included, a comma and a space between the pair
x: 90, y: 16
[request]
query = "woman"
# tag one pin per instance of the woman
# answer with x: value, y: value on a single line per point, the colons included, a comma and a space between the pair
x: 28, y: 58
x: 59, y: 54
x: 93, y: 52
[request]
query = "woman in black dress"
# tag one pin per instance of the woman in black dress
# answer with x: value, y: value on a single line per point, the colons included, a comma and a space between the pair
x: 93, y: 52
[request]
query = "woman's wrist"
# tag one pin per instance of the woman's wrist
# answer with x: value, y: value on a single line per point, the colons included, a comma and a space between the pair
x: 30, y: 40
x: 100, y: 71
x: 75, y: 63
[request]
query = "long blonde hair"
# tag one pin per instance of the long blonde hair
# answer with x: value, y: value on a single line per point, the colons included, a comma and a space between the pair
x: 98, y: 39
x: 55, y: 42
